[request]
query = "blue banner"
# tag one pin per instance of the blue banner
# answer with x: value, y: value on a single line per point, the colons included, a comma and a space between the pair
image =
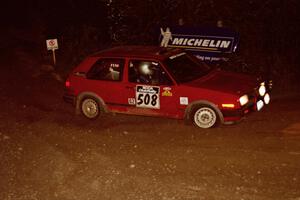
x: 207, y: 43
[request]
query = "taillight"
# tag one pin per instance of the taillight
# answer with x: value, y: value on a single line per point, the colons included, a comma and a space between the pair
x: 67, y: 83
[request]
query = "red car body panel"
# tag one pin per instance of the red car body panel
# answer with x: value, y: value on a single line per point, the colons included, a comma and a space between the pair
x: 223, y: 81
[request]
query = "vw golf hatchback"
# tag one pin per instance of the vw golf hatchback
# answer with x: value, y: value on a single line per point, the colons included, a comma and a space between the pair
x: 155, y: 81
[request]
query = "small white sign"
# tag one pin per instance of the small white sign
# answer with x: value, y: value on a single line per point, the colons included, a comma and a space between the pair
x: 184, y: 101
x: 131, y: 101
x: 52, y: 44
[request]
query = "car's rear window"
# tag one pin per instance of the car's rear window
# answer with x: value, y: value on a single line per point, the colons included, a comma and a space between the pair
x: 107, y: 69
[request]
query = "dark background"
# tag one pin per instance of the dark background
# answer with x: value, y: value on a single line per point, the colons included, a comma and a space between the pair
x: 48, y: 153
x: 269, y: 30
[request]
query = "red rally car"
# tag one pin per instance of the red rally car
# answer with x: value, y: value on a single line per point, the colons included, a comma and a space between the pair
x: 155, y: 81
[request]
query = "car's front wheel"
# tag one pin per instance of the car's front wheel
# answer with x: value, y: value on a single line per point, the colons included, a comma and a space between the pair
x: 90, y: 108
x: 205, y: 117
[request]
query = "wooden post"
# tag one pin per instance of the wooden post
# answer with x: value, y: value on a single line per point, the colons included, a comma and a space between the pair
x: 54, y: 58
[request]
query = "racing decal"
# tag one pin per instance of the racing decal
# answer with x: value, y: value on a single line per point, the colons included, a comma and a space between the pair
x: 167, y: 92
x: 184, y: 101
x: 147, y: 97
x: 131, y: 101
x: 115, y: 65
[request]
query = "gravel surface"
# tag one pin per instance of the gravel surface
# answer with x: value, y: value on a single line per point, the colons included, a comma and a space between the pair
x: 48, y: 153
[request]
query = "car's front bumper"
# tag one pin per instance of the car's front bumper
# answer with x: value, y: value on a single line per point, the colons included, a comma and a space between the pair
x: 256, y: 103
x: 237, y: 114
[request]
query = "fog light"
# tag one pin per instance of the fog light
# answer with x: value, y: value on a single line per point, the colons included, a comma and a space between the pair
x: 262, y: 90
x: 259, y: 105
x: 244, y: 100
x: 267, y: 98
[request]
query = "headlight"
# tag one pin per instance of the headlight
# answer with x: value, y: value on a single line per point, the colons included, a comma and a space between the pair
x: 244, y: 100
x: 262, y: 89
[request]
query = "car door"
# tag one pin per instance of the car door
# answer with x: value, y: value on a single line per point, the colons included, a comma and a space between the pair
x: 105, y: 79
x: 149, y: 89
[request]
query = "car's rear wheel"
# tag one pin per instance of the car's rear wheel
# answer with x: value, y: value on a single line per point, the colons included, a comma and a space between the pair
x: 90, y: 108
x: 204, y: 116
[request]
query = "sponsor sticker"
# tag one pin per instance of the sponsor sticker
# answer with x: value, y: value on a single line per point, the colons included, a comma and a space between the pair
x: 131, y: 101
x: 115, y: 65
x: 167, y: 92
x: 184, y: 101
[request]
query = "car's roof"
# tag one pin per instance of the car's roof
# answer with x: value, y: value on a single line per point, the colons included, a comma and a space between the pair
x: 138, y: 51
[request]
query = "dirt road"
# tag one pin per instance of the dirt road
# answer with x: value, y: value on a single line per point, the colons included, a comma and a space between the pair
x: 47, y: 153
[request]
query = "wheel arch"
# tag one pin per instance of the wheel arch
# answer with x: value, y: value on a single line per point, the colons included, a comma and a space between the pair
x: 192, y: 105
x: 83, y: 95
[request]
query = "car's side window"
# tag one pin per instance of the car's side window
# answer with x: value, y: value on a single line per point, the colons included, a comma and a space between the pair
x: 107, y: 69
x: 147, y: 72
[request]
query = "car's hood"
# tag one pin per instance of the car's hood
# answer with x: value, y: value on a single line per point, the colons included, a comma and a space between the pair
x: 229, y: 82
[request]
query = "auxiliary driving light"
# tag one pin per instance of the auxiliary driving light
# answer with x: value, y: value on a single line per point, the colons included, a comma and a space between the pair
x: 262, y: 89
x: 267, y: 98
x: 244, y: 100
x: 259, y: 105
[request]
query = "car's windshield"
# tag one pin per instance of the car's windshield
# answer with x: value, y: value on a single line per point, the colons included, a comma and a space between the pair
x: 185, y: 67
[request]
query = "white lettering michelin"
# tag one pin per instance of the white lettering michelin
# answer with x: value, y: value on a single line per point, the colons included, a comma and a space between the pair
x: 211, y: 43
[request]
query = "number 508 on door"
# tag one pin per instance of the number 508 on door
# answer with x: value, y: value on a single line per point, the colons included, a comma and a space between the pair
x: 147, y: 97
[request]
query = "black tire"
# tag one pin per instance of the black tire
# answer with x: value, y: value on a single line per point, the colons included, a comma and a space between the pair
x: 204, y: 116
x: 90, y: 108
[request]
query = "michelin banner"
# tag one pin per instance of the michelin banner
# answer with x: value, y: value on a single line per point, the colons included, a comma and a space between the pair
x: 210, y: 44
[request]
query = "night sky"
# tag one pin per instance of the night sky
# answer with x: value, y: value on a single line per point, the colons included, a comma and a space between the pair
x: 269, y: 29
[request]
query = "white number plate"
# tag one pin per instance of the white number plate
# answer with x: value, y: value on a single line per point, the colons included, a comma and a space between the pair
x: 147, y: 97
